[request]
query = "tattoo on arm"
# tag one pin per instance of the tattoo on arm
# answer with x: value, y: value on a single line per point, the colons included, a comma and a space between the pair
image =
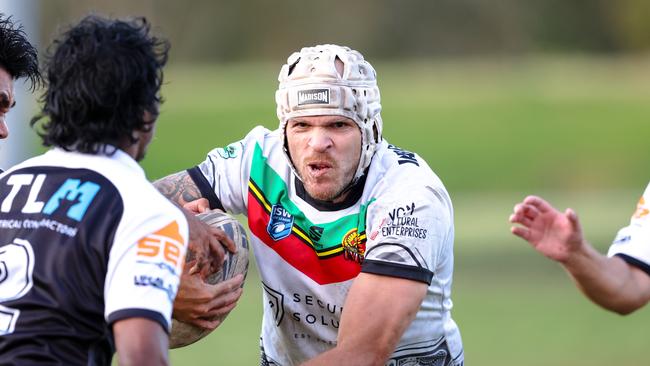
x: 178, y: 187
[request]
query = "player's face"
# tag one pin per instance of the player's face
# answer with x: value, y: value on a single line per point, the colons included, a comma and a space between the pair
x: 7, y: 100
x: 325, y: 151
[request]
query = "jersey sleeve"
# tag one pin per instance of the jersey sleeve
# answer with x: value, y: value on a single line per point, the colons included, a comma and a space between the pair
x: 223, y: 176
x: 144, y: 267
x: 632, y: 243
x: 409, y: 229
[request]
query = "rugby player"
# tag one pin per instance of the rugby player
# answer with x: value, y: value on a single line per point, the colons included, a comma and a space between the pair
x: 353, y: 236
x: 18, y: 59
x: 618, y: 281
x: 90, y: 252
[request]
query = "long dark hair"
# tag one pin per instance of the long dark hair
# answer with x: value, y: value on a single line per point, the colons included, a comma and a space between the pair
x: 17, y: 55
x: 101, y: 78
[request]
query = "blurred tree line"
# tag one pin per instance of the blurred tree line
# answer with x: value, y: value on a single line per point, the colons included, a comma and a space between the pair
x: 231, y: 30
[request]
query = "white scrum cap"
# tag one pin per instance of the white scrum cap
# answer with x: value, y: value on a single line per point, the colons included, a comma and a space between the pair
x: 310, y: 85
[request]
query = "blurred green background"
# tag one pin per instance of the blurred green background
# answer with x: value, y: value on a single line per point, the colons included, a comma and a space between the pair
x: 572, y: 129
x: 503, y: 98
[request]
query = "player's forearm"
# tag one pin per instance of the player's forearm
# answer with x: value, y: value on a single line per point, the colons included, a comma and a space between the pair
x: 606, y: 281
x: 140, y: 342
x: 363, y: 340
x: 142, y: 358
x: 178, y: 187
x: 373, y: 322
x: 341, y: 357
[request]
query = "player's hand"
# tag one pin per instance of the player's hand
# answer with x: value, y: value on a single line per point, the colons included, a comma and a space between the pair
x: 198, y: 206
x: 556, y: 235
x: 206, y: 246
x: 204, y: 305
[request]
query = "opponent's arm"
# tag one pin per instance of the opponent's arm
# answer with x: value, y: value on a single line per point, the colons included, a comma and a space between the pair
x: 205, y: 242
x: 377, y: 311
x: 178, y: 187
x: 198, y: 302
x: 181, y: 189
x: 140, y: 341
x: 609, y: 282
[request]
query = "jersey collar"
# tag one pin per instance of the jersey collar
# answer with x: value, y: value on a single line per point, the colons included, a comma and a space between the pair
x: 353, y: 196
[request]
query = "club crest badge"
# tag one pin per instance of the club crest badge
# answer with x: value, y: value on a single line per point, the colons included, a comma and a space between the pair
x: 280, y: 223
x: 354, y: 248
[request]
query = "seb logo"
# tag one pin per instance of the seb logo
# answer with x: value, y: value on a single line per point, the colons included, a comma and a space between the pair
x: 73, y: 195
x: 641, y: 209
x: 166, y: 243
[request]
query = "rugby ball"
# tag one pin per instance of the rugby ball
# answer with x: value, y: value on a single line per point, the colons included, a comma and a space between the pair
x: 184, y: 334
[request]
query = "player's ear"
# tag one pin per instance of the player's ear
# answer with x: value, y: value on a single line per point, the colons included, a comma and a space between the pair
x: 149, y: 120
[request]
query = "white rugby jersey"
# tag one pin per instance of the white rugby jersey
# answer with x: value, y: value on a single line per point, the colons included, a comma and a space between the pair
x: 632, y: 243
x: 85, y: 241
x: 397, y: 222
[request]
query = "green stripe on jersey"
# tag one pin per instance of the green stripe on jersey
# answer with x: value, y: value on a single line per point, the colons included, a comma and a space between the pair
x: 274, y: 191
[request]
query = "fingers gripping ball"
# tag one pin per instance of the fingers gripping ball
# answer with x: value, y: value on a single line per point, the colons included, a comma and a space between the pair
x: 184, y: 334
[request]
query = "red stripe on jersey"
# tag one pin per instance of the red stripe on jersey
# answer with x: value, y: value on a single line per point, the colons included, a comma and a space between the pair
x: 299, y: 254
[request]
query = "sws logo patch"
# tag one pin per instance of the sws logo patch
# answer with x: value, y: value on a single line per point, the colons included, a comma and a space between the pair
x: 280, y: 223
x: 314, y: 96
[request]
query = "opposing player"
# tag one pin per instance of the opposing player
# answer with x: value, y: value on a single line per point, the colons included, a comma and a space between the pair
x: 620, y: 281
x: 90, y: 251
x: 353, y: 236
x: 18, y: 59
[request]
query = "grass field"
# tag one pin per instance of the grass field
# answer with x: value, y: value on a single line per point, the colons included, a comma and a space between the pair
x: 573, y: 129
x: 513, y: 306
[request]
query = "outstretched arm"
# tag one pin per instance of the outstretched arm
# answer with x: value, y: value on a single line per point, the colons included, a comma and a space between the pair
x: 609, y: 282
x: 377, y: 312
